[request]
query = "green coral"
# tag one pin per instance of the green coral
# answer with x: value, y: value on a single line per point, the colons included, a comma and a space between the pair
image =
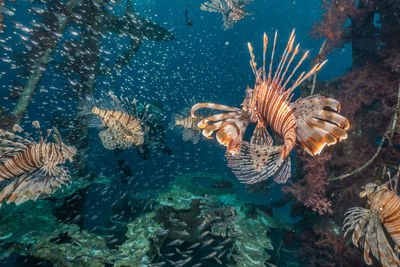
x: 141, y: 236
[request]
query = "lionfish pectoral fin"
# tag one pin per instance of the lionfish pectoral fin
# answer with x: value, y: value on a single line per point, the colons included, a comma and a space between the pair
x: 187, y: 135
x: 256, y: 163
x: 261, y: 136
x: 38, y: 183
x: 109, y: 139
x: 231, y: 134
x: 94, y: 121
x: 85, y: 106
x: 317, y: 127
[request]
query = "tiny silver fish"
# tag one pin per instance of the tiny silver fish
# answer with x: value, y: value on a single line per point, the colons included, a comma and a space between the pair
x: 209, y: 256
x: 203, y: 235
x: 182, y: 233
x: 207, y: 242
x: 158, y: 264
x: 222, y: 253
x: 226, y: 241
x: 195, y: 245
x: 169, y: 254
x: 237, y: 257
x: 175, y: 242
x: 161, y: 232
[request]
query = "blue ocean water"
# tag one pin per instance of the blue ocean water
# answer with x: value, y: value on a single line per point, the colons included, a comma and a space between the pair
x: 203, y: 62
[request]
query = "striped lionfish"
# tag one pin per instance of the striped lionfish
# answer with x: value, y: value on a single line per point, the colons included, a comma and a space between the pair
x: 313, y: 121
x: 120, y: 116
x: 189, y: 125
x: 231, y: 10
x: 367, y: 224
x: 28, y: 169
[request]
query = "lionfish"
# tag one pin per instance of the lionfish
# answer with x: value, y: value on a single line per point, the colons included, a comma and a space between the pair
x: 367, y: 224
x: 29, y: 169
x: 231, y: 10
x: 120, y: 116
x: 188, y: 123
x: 313, y: 121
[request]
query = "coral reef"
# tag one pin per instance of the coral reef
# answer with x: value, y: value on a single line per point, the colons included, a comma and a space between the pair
x: 184, y: 225
x: 220, y: 218
x: 333, y: 24
x: 141, y: 241
x: 41, y: 235
x: 190, y: 225
x: 368, y: 94
x: 326, y: 246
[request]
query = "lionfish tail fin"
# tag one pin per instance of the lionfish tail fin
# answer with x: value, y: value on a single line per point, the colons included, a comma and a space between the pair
x: 33, y: 185
x: 256, y: 163
x: 176, y: 120
x: 229, y: 127
x: 318, y: 123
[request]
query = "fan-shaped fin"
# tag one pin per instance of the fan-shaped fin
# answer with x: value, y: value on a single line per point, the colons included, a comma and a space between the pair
x: 255, y: 163
x: 317, y: 127
x: 38, y: 183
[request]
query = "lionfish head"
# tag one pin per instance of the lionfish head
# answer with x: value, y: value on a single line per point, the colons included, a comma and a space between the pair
x: 369, y: 189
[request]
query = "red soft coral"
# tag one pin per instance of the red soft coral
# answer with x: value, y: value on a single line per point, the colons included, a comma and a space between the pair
x: 311, y: 190
x: 333, y: 24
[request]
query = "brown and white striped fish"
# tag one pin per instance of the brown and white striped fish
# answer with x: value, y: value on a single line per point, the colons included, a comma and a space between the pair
x: 231, y: 10
x: 188, y: 125
x: 367, y: 224
x: 120, y: 116
x: 29, y: 169
x: 312, y: 122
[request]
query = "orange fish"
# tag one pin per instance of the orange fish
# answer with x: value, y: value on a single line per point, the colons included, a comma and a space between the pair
x: 312, y: 122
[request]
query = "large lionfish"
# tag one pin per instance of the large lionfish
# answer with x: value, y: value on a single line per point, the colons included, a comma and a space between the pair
x: 120, y: 116
x: 29, y: 169
x: 231, y: 10
x: 367, y: 224
x: 312, y: 121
